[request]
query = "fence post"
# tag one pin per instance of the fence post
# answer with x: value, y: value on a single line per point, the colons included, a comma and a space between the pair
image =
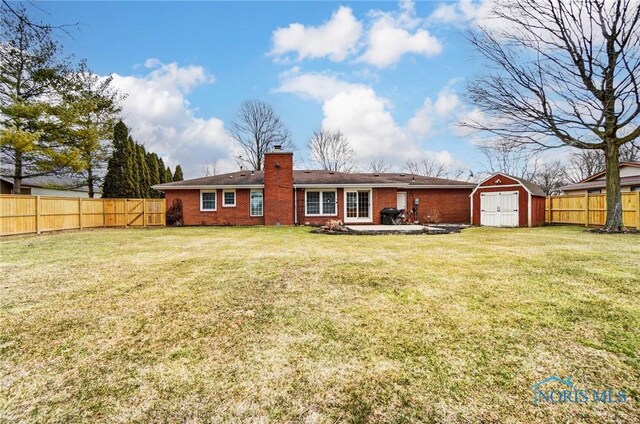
x: 586, y: 209
x: 144, y: 212
x: 126, y: 213
x: 637, y: 210
x: 547, y: 216
x: 37, y: 214
x: 80, y: 212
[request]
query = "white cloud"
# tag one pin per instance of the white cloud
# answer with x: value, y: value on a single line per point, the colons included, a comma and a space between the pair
x: 394, y: 34
x: 460, y: 13
x: 390, y: 35
x: 315, y: 86
x: 159, y: 115
x: 335, y: 39
x: 365, y: 117
x: 431, y: 113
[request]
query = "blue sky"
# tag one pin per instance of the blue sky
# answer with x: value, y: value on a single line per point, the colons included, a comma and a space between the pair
x: 390, y: 75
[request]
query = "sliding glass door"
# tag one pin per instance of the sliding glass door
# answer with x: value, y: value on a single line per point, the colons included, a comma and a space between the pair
x: 357, y: 205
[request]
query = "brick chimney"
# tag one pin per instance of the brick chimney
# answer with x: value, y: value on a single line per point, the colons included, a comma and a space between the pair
x: 278, y: 187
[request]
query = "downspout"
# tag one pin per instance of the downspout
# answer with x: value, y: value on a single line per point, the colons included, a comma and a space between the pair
x: 295, y: 205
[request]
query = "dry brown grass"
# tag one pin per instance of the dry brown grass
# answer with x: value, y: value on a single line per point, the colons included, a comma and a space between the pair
x: 280, y: 325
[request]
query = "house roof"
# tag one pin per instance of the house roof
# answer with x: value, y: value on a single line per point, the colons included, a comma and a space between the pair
x: 624, y: 181
x: 54, y: 182
x: 318, y: 178
x: 601, y: 173
x: 531, y: 187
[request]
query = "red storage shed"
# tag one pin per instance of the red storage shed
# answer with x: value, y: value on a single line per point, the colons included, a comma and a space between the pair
x: 505, y: 201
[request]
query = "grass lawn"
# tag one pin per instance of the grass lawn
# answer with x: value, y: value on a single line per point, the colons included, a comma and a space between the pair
x: 281, y: 325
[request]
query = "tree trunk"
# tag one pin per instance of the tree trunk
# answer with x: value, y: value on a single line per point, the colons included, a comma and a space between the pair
x: 90, y: 182
x: 17, y: 174
x: 614, y: 198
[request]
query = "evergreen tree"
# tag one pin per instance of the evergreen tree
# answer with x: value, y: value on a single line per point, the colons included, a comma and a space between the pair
x: 161, y: 171
x: 32, y: 77
x: 144, y: 172
x: 118, y: 181
x: 134, y: 169
x: 168, y: 175
x: 177, y: 176
x: 91, y: 107
x: 154, y: 177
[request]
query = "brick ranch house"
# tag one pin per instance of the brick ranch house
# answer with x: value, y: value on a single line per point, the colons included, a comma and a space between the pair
x: 281, y: 195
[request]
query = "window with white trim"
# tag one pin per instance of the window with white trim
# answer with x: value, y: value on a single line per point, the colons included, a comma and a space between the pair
x: 256, y: 203
x: 320, y: 202
x: 208, y: 200
x: 228, y: 198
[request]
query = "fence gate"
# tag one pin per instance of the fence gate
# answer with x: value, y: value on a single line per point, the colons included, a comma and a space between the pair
x: 135, y: 212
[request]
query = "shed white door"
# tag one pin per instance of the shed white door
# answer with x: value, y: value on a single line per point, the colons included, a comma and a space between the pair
x: 499, y: 209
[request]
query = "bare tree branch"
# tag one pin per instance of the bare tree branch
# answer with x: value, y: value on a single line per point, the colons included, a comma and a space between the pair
x: 258, y: 129
x: 332, y: 151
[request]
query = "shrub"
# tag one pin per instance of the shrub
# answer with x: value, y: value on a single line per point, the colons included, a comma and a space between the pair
x: 174, y: 214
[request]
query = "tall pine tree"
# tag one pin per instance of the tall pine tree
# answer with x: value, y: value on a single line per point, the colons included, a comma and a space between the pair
x: 132, y: 156
x: 168, y: 175
x: 177, y: 175
x: 144, y: 172
x: 118, y: 181
x: 154, y: 176
x: 161, y: 171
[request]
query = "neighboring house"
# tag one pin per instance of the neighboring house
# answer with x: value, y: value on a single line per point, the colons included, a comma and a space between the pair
x: 48, y: 186
x: 506, y: 201
x: 282, y: 195
x: 596, y: 184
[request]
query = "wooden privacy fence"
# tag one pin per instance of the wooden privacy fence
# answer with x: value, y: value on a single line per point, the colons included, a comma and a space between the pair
x: 591, y: 209
x: 34, y: 214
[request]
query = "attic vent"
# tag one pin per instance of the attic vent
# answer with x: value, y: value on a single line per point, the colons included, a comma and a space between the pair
x: 402, y: 175
x: 307, y: 172
x: 230, y: 176
x: 242, y: 175
x: 376, y: 175
x: 331, y: 172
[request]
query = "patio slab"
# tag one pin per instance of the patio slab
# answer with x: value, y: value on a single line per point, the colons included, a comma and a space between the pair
x: 382, y: 228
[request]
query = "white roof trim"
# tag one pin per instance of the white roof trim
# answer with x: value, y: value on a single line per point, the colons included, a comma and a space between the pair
x: 519, y: 183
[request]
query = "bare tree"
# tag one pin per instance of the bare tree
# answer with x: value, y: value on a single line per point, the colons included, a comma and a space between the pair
x: 258, y: 129
x: 585, y: 163
x: 210, y: 168
x: 562, y: 73
x: 550, y: 175
x: 379, y: 165
x: 332, y: 151
x: 510, y: 158
x: 429, y: 167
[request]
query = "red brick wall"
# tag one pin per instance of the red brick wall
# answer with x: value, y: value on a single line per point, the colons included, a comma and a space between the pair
x: 451, y: 206
x: 238, y: 215
x: 443, y: 205
x: 278, y: 188
x: 319, y: 220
